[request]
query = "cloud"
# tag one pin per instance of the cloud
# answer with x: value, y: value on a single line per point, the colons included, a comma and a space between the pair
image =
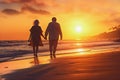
x: 25, y: 9
x: 34, y: 10
x: 113, y: 17
x: 117, y: 20
x: 24, y: 2
x: 100, y: 7
x: 15, y: 1
x: 32, y: 6
x: 112, y: 21
x: 10, y: 12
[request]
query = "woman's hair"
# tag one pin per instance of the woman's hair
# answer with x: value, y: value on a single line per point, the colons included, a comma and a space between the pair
x: 36, y: 22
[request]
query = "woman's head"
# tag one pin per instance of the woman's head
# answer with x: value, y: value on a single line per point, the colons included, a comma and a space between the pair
x: 36, y: 22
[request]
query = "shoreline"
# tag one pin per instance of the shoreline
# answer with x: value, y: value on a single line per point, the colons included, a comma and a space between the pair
x: 59, y: 52
x: 103, y: 64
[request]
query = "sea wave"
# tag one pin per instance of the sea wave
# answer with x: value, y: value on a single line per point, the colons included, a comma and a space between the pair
x: 20, y: 48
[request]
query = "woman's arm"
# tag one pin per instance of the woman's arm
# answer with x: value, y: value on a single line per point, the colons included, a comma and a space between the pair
x: 29, y: 39
x: 42, y: 35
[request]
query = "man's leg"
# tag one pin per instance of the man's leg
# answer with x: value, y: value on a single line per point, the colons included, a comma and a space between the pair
x: 54, y: 48
x: 50, y: 48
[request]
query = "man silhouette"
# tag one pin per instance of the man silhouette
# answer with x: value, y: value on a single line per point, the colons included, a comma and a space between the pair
x: 54, y: 31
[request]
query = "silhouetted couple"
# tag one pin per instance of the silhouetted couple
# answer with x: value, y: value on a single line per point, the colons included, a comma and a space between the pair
x: 53, y: 31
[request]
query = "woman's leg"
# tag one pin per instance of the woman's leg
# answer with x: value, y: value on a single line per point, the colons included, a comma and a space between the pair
x: 34, y: 50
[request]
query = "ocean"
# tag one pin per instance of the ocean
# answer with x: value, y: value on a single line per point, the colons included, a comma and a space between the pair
x: 11, y: 49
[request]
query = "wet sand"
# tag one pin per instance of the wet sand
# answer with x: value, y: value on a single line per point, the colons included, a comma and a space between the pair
x: 27, y: 61
x: 102, y: 66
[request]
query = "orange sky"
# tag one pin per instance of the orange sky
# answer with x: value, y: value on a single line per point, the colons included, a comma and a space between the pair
x: 94, y: 16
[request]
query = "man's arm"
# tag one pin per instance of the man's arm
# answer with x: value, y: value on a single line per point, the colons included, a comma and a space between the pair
x: 46, y: 32
x: 60, y: 32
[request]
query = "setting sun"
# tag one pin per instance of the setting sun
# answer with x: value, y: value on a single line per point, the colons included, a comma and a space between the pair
x: 78, y: 29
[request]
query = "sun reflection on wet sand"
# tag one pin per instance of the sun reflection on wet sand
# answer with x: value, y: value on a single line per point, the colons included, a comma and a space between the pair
x: 7, y: 67
x: 81, y: 50
x: 36, y: 61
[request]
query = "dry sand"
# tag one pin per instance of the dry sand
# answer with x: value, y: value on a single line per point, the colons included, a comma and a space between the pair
x: 105, y: 66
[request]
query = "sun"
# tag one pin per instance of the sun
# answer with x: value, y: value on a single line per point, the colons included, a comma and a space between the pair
x: 78, y: 29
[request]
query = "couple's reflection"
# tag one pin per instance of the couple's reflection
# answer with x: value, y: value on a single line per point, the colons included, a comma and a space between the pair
x: 36, y: 60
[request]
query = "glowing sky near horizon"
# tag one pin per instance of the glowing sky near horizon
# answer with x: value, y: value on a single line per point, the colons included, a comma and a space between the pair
x: 94, y: 16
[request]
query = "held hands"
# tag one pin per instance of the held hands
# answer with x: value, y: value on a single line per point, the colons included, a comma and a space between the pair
x: 60, y: 38
x: 29, y: 40
x: 45, y: 38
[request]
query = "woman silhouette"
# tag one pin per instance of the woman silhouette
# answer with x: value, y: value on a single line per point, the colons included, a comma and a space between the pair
x: 35, y: 37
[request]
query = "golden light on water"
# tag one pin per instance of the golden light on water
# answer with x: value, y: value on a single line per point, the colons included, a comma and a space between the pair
x: 78, y: 44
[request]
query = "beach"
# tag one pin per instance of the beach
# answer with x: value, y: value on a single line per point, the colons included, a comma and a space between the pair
x: 100, y: 66
x: 75, y: 61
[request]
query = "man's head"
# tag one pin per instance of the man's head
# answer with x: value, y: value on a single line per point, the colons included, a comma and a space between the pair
x: 54, y: 19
